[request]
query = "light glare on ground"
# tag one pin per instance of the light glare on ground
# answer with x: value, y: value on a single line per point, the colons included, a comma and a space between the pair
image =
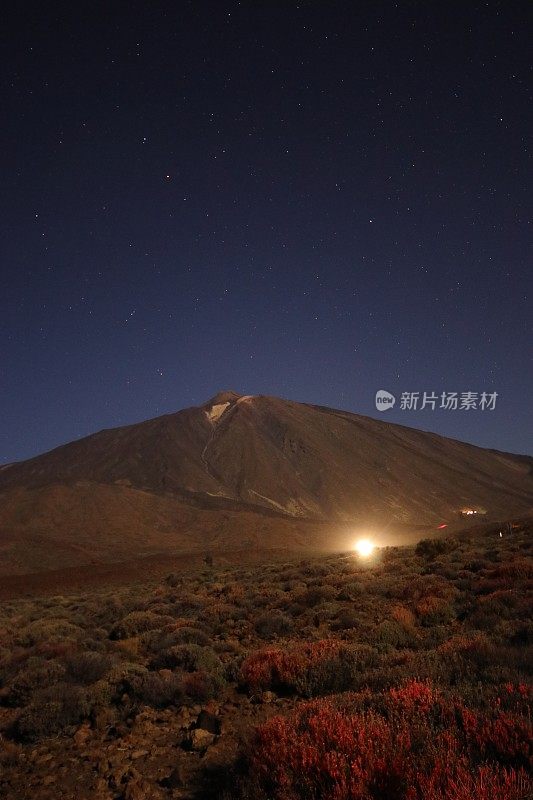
x: 364, y: 547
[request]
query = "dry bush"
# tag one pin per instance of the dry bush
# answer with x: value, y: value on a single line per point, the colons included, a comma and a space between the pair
x: 269, y: 625
x: 160, y: 690
x: 35, y: 674
x: 404, y: 617
x: 433, y: 610
x: 47, y: 631
x: 430, y: 548
x: 138, y: 622
x: 307, y: 668
x: 193, y: 658
x: 52, y: 709
x: 87, y: 668
x: 346, y: 618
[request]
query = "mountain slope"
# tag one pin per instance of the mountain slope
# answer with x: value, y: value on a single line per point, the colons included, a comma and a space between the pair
x: 273, y: 459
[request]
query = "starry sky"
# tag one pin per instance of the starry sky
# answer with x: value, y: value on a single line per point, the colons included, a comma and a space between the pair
x: 315, y: 200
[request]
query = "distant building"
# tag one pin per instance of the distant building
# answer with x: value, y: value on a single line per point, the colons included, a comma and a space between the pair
x: 472, y: 511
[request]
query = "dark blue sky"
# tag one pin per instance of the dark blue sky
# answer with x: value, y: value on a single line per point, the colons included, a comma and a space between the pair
x: 312, y: 200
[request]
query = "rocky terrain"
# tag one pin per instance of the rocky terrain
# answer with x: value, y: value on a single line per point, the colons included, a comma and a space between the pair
x: 267, y: 680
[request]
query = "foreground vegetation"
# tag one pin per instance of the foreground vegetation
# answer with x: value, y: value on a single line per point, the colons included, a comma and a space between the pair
x: 403, y: 676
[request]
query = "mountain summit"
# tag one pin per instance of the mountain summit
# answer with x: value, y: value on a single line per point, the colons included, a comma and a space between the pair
x: 272, y: 459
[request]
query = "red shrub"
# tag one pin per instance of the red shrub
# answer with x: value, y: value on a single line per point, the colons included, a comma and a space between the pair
x: 405, y: 744
x: 199, y: 686
x: 484, y: 783
x: 272, y: 667
x: 503, y: 736
x: 415, y: 695
x: 523, y: 690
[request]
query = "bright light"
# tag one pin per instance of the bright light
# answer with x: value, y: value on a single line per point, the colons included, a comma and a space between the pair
x: 364, y: 547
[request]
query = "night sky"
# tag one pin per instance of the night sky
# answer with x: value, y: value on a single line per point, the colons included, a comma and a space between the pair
x: 315, y: 200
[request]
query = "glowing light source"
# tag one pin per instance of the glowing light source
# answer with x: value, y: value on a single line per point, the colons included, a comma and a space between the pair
x: 364, y: 547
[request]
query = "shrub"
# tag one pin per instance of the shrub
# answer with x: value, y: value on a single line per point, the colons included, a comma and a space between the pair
x: 317, y: 594
x: 138, y: 622
x: 87, y: 668
x: 434, y: 611
x: 390, y: 632
x: 194, y: 658
x: 160, y: 691
x: 51, y: 710
x: 404, y: 617
x: 200, y: 686
x: 430, y: 548
x: 404, y: 744
x: 308, y: 668
x: 295, y: 609
x: 123, y: 678
x: 188, y: 635
x: 36, y: 674
x: 354, y: 589
x: 47, y: 631
x: 270, y: 625
x: 347, y: 618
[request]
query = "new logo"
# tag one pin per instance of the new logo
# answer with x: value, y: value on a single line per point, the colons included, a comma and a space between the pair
x: 384, y: 400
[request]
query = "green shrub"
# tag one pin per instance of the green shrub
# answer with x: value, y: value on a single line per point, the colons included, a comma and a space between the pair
x: 308, y: 668
x: 273, y: 624
x: 192, y: 658
x: 430, y: 548
x: 393, y: 633
x: 187, y: 635
x: 433, y: 611
x: 48, y: 631
x: 317, y: 594
x: 200, y: 686
x: 51, y: 711
x: 138, y: 622
x: 347, y: 618
x: 160, y: 691
x: 36, y: 674
x: 87, y: 668
x: 122, y: 679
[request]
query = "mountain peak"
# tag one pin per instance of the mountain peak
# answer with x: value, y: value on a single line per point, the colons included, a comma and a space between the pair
x: 180, y: 479
x: 227, y: 396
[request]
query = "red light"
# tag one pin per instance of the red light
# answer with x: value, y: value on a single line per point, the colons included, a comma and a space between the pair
x: 444, y: 525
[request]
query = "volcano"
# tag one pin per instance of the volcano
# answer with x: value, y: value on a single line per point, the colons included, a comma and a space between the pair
x: 244, y: 471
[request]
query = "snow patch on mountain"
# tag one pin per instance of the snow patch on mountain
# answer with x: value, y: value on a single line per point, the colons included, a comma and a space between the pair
x: 215, y: 412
